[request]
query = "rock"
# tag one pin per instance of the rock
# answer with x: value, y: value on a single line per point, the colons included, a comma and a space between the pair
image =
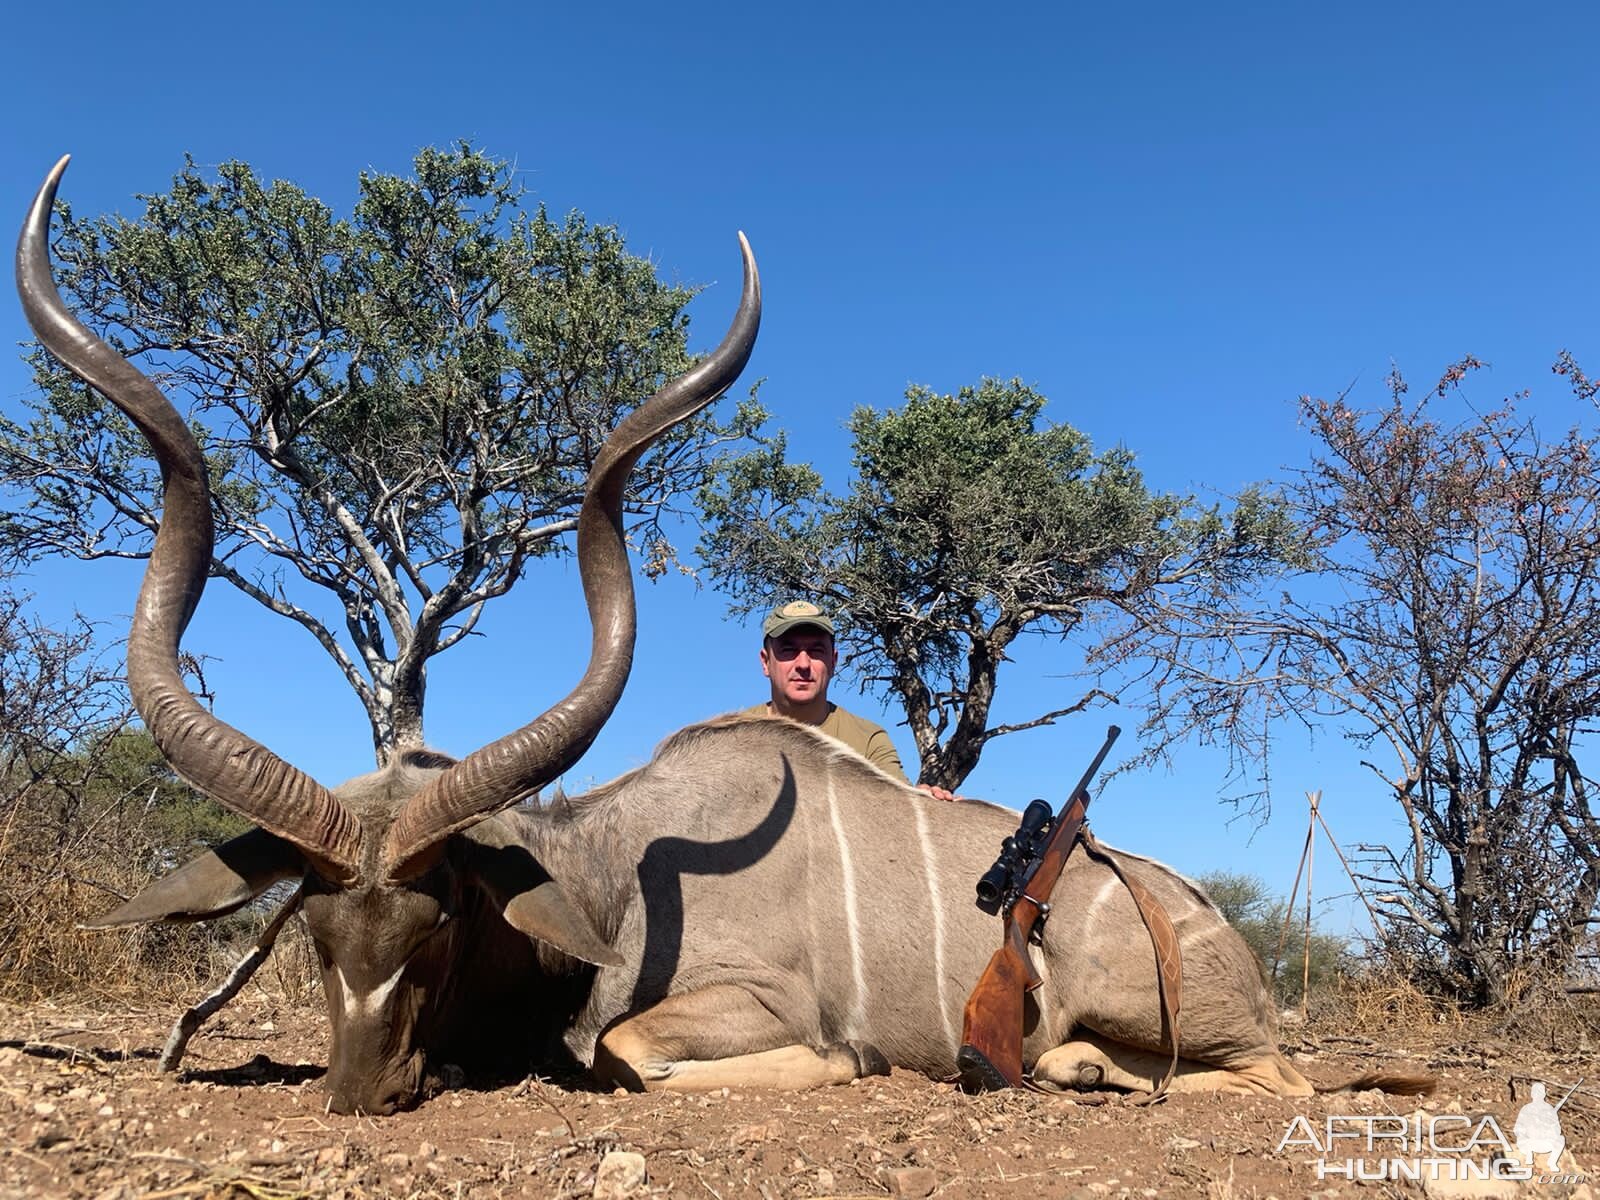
x: 621, y: 1174
x: 334, y: 1156
x: 825, y: 1181
x: 912, y: 1183
x: 747, y: 1135
x: 1444, y: 1188
x: 45, y: 1108
x: 396, y: 1161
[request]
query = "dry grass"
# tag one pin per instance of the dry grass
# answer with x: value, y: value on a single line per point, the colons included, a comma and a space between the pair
x: 51, y: 886
x: 44, y: 953
x: 1385, y: 999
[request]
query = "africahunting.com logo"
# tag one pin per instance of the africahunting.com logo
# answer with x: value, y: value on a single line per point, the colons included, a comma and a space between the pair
x: 1428, y: 1146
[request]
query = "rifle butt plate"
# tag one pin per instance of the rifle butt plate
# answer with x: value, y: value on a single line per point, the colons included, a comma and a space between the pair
x: 978, y: 1074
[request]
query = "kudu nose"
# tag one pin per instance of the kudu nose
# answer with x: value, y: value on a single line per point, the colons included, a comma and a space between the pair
x: 375, y: 1103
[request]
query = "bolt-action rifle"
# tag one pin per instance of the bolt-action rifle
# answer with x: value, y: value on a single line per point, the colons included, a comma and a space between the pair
x: 1018, y: 887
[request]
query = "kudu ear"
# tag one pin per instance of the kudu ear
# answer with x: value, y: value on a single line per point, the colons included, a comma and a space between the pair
x: 531, y: 901
x: 544, y: 912
x: 213, y: 885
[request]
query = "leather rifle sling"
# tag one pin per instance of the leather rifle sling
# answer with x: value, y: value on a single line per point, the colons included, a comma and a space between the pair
x: 1169, y: 956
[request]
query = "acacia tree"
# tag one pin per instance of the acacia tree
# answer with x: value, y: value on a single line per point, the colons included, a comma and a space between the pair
x: 1453, y: 625
x: 1258, y: 915
x: 399, y: 408
x: 968, y: 523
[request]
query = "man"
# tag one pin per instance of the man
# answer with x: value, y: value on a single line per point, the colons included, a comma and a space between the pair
x: 1538, y: 1128
x: 798, y: 657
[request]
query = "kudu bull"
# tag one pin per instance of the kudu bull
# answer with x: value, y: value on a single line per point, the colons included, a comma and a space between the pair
x: 756, y: 906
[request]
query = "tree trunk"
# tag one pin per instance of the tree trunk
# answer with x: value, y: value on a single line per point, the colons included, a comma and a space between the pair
x: 949, y: 764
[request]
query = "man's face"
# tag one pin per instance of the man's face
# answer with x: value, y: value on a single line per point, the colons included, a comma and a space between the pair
x: 799, y: 663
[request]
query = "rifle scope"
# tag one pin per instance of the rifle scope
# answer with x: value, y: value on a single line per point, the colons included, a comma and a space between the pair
x: 1015, y: 853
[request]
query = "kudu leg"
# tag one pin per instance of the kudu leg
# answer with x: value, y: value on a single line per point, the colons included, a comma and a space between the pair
x: 1091, y: 1062
x: 193, y: 1018
x: 721, y: 1036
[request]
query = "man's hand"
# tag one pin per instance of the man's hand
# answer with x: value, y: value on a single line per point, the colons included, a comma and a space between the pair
x: 938, y: 793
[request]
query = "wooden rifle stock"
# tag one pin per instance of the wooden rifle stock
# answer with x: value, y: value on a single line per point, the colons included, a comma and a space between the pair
x: 991, y: 1024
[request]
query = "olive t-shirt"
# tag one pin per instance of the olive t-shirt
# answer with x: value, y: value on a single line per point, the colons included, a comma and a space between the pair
x: 866, y: 739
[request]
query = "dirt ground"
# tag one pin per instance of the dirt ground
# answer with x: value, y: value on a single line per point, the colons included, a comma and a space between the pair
x: 84, y: 1113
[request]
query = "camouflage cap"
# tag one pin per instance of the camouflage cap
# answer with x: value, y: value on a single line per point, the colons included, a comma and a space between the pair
x: 793, y: 615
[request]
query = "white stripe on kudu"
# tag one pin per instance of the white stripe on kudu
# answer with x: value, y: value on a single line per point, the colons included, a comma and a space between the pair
x: 372, y: 1002
x: 930, y: 869
x: 1100, y: 897
x: 847, y: 878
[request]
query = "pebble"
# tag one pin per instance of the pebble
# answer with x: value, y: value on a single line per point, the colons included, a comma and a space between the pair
x: 747, y: 1134
x: 912, y: 1183
x: 621, y: 1173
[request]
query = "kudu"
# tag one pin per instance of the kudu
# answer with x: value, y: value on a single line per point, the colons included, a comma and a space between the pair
x: 756, y: 905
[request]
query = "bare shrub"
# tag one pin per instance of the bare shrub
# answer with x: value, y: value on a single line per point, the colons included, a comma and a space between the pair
x: 89, y: 814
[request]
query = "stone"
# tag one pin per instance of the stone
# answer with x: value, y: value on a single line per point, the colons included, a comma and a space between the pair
x: 621, y: 1173
x: 746, y: 1135
x: 334, y: 1156
x: 912, y: 1183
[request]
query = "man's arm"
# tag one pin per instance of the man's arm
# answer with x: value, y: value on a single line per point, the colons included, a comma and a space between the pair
x: 882, y: 754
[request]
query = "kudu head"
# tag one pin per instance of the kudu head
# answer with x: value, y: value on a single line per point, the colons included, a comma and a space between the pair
x: 385, y: 860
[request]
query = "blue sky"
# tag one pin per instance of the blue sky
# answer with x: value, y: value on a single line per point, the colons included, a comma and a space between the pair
x: 1171, y: 219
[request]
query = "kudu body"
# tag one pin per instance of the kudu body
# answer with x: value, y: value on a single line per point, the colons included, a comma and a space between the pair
x: 757, y: 905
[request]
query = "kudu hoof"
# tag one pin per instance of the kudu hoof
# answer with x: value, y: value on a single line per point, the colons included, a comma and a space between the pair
x: 868, y: 1059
